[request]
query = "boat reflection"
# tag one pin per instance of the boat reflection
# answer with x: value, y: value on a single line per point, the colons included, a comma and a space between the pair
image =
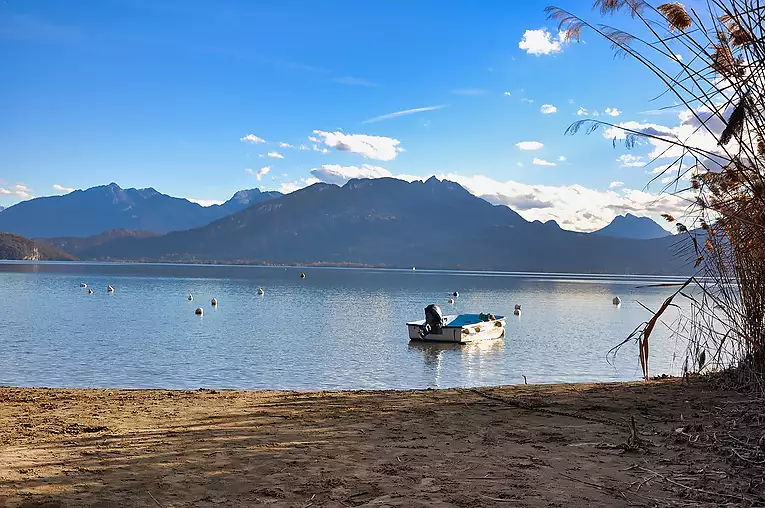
x: 477, y: 359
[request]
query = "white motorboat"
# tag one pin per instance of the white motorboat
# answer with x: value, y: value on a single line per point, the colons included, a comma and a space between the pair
x: 459, y: 329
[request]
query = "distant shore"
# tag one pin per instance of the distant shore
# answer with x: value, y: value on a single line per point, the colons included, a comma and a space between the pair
x: 527, y: 445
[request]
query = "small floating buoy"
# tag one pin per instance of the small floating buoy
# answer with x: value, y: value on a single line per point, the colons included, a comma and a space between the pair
x: 90, y: 291
x: 191, y: 298
x: 617, y: 300
x: 302, y: 276
x: 455, y: 294
x: 451, y: 300
x: 517, y: 312
x: 200, y: 311
x: 110, y: 289
x: 83, y: 285
x: 261, y: 292
x: 517, y: 307
x: 413, y: 268
x: 213, y: 302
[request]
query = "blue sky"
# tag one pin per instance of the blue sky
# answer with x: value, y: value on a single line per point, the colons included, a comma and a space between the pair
x: 165, y: 93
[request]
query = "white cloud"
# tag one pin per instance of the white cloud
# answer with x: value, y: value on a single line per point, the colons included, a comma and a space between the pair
x: 547, y: 109
x: 628, y: 160
x: 405, y: 112
x: 282, y: 144
x: 320, y: 150
x: 541, y: 42
x: 573, y: 206
x: 314, y: 139
x: 206, y: 202
x: 542, y: 162
x: 529, y: 145
x: 303, y: 147
x: 571, y: 101
x: 520, y: 164
x: 288, y: 187
x: 470, y: 91
x: 581, y: 111
x: 562, y: 158
x: 61, y: 188
x: 338, y: 175
x: 372, y: 147
x: 613, y: 112
x: 275, y: 155
x: 507, y: 94
x: 252, y: 139
x: 19, y: 190
x: 259, y: 173
x: 527, y: 101
x: 615, y: 185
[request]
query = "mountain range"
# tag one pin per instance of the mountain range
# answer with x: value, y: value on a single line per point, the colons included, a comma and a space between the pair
x: 630, y: 226
x: 17, y: 247
x: 108, y: 207
x: 389, y: 222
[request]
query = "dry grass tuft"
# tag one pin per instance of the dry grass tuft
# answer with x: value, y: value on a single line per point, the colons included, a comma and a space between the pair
x: 676, y: 15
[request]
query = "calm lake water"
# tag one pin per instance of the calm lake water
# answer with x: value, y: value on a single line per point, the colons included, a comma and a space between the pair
x: 335, y: 329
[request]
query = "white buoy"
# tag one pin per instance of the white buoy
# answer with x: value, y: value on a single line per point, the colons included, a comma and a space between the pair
x: 455, y: 294
x: 517, y: 307
x: 617, y: 300
x: 451, y: 300
x: 83, y: 285
x: 213, y: 302
x: 261, y: 292
x: 90, y: 291
x: 191, y: 298
x: 200, y: 311
x: 517, y: 312
x: 110, y: 289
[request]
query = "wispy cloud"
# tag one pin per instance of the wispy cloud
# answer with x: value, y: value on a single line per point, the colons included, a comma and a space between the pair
x: 405, y: 112
x: 527, y: 101
x: 529, y: 145
x: 613, y: 112
x: 304, y: 147
x: 260, y: 173
x: 507, y: 94
x: 61, y: 188
x: 562, y: 158
x: 282, y: 144
x: 275, y: 155
x: 353, y: 81
x: 628, y: 160
x: 30, y: 28
x: 252, y: 139
x: 615, y: 185
x: 542, y: 162
x: 470, y: 91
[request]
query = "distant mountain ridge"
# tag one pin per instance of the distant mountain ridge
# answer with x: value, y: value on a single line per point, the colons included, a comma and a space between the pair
x: 631, y: 226
x: 389, y: 222
x: 17, y: 247
x: 76, y: 244
x: 84, y: 213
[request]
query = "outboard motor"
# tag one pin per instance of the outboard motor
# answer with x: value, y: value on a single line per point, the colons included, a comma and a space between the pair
x: 433, y: 320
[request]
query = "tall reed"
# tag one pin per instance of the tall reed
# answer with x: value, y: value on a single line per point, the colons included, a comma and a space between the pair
x: 718, y: 161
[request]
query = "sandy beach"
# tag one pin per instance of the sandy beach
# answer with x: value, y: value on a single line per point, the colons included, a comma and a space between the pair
x: 531, y: 446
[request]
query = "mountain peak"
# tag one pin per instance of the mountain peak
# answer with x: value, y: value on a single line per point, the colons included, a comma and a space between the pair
x: 632, y: 226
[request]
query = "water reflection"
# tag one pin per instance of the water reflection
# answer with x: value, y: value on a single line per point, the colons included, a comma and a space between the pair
x: 471, y: 358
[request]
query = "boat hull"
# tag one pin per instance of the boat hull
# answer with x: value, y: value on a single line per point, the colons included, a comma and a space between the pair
x: 460, y: 334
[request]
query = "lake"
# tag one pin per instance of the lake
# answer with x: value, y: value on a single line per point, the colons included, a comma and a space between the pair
x: 335, y: 329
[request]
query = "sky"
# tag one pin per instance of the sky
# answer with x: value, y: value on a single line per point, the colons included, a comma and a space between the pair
x: 200, y: 99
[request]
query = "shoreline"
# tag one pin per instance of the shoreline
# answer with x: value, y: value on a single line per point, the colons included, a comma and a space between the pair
x: 532, y: 445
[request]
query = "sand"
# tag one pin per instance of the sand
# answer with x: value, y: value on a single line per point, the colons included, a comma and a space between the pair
x: 528, y: 446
